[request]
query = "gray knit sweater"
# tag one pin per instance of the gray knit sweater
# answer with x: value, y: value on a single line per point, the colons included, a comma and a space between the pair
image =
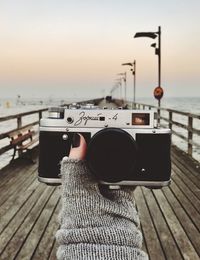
x: 96, y: 224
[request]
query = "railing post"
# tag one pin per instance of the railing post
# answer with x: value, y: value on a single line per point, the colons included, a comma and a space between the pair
x: 170, y: 119
x: 40, y: 115
x: 19, y: 122
x: 158, y: 112
x: 190, y: 134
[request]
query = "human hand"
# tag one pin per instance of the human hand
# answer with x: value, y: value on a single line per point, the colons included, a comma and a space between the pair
x: 79, y: 146
x: 77, y: 179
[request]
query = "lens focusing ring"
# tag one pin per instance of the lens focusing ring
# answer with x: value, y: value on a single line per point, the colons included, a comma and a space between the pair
x: 111, y: 155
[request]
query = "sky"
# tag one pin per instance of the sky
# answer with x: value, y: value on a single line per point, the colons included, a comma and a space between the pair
x: 74, y: 49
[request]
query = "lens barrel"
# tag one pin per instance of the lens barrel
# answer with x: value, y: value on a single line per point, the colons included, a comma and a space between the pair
x: 111, y: 155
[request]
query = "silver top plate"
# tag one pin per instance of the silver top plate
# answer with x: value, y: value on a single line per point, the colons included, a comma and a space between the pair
x: 100, y: 118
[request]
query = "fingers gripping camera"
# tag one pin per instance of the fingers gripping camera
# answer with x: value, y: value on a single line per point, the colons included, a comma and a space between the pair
x: 124, y: 147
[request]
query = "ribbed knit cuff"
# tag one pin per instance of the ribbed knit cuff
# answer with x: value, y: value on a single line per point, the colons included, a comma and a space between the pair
x: 116, y: 235
x: 99, y: 252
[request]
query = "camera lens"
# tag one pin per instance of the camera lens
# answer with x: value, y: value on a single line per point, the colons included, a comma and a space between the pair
x: 111, y: 155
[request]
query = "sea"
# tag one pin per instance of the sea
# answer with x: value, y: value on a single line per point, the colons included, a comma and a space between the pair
x: 11, y: 106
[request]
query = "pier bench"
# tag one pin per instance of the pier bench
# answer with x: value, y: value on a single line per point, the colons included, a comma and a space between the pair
x: 23, y: 141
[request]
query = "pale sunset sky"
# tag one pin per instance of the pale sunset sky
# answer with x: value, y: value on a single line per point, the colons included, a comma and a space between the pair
x: 63, y: 48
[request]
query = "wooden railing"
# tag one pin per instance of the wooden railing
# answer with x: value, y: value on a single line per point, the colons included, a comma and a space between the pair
x: 19, y: 125
x: 188, y: 122
x: 19, y: 122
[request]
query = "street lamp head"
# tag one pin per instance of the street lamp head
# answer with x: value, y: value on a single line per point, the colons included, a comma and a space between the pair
x: 152, y: 35
x: 122, y: 74
x: 128, y: 63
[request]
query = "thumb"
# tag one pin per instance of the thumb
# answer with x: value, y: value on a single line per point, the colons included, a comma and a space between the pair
x: 75, y: 175
x: 79, y: 146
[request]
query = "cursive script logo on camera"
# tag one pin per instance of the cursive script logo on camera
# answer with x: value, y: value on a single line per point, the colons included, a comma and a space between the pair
x: 84, y: 118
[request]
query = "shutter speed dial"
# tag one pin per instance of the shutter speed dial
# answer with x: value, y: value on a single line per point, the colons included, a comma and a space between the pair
x: 56, y: 112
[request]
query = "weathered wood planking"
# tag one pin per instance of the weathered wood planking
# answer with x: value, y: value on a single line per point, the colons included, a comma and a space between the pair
x: 170, y: 217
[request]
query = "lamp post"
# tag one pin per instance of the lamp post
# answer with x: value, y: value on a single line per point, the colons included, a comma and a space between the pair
x: 124, y: 79
x: 119, y: 83
x: 158, y: 92
x: 114, y: 88
x: 133, y: 69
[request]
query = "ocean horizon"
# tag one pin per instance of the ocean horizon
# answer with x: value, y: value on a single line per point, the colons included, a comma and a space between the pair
x: 186, y: 104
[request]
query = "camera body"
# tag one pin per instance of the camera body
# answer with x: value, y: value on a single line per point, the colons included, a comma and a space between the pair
x: 123, y: 146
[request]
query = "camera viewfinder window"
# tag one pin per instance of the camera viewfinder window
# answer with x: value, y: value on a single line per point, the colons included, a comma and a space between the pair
x: 140, y: 118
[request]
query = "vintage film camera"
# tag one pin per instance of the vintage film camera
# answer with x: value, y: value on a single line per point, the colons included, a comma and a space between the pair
x: 124, y: 146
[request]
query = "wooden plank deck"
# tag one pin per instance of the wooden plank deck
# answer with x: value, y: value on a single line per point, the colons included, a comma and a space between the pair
x: 170, y: 217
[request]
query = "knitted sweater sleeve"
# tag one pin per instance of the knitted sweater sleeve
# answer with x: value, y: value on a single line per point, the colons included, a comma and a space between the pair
x: 96, y: 224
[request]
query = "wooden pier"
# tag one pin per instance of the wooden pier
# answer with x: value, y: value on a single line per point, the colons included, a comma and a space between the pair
x: 170, y: 217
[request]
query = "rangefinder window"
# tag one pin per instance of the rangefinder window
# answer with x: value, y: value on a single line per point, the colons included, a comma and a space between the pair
x: 140, y: 119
